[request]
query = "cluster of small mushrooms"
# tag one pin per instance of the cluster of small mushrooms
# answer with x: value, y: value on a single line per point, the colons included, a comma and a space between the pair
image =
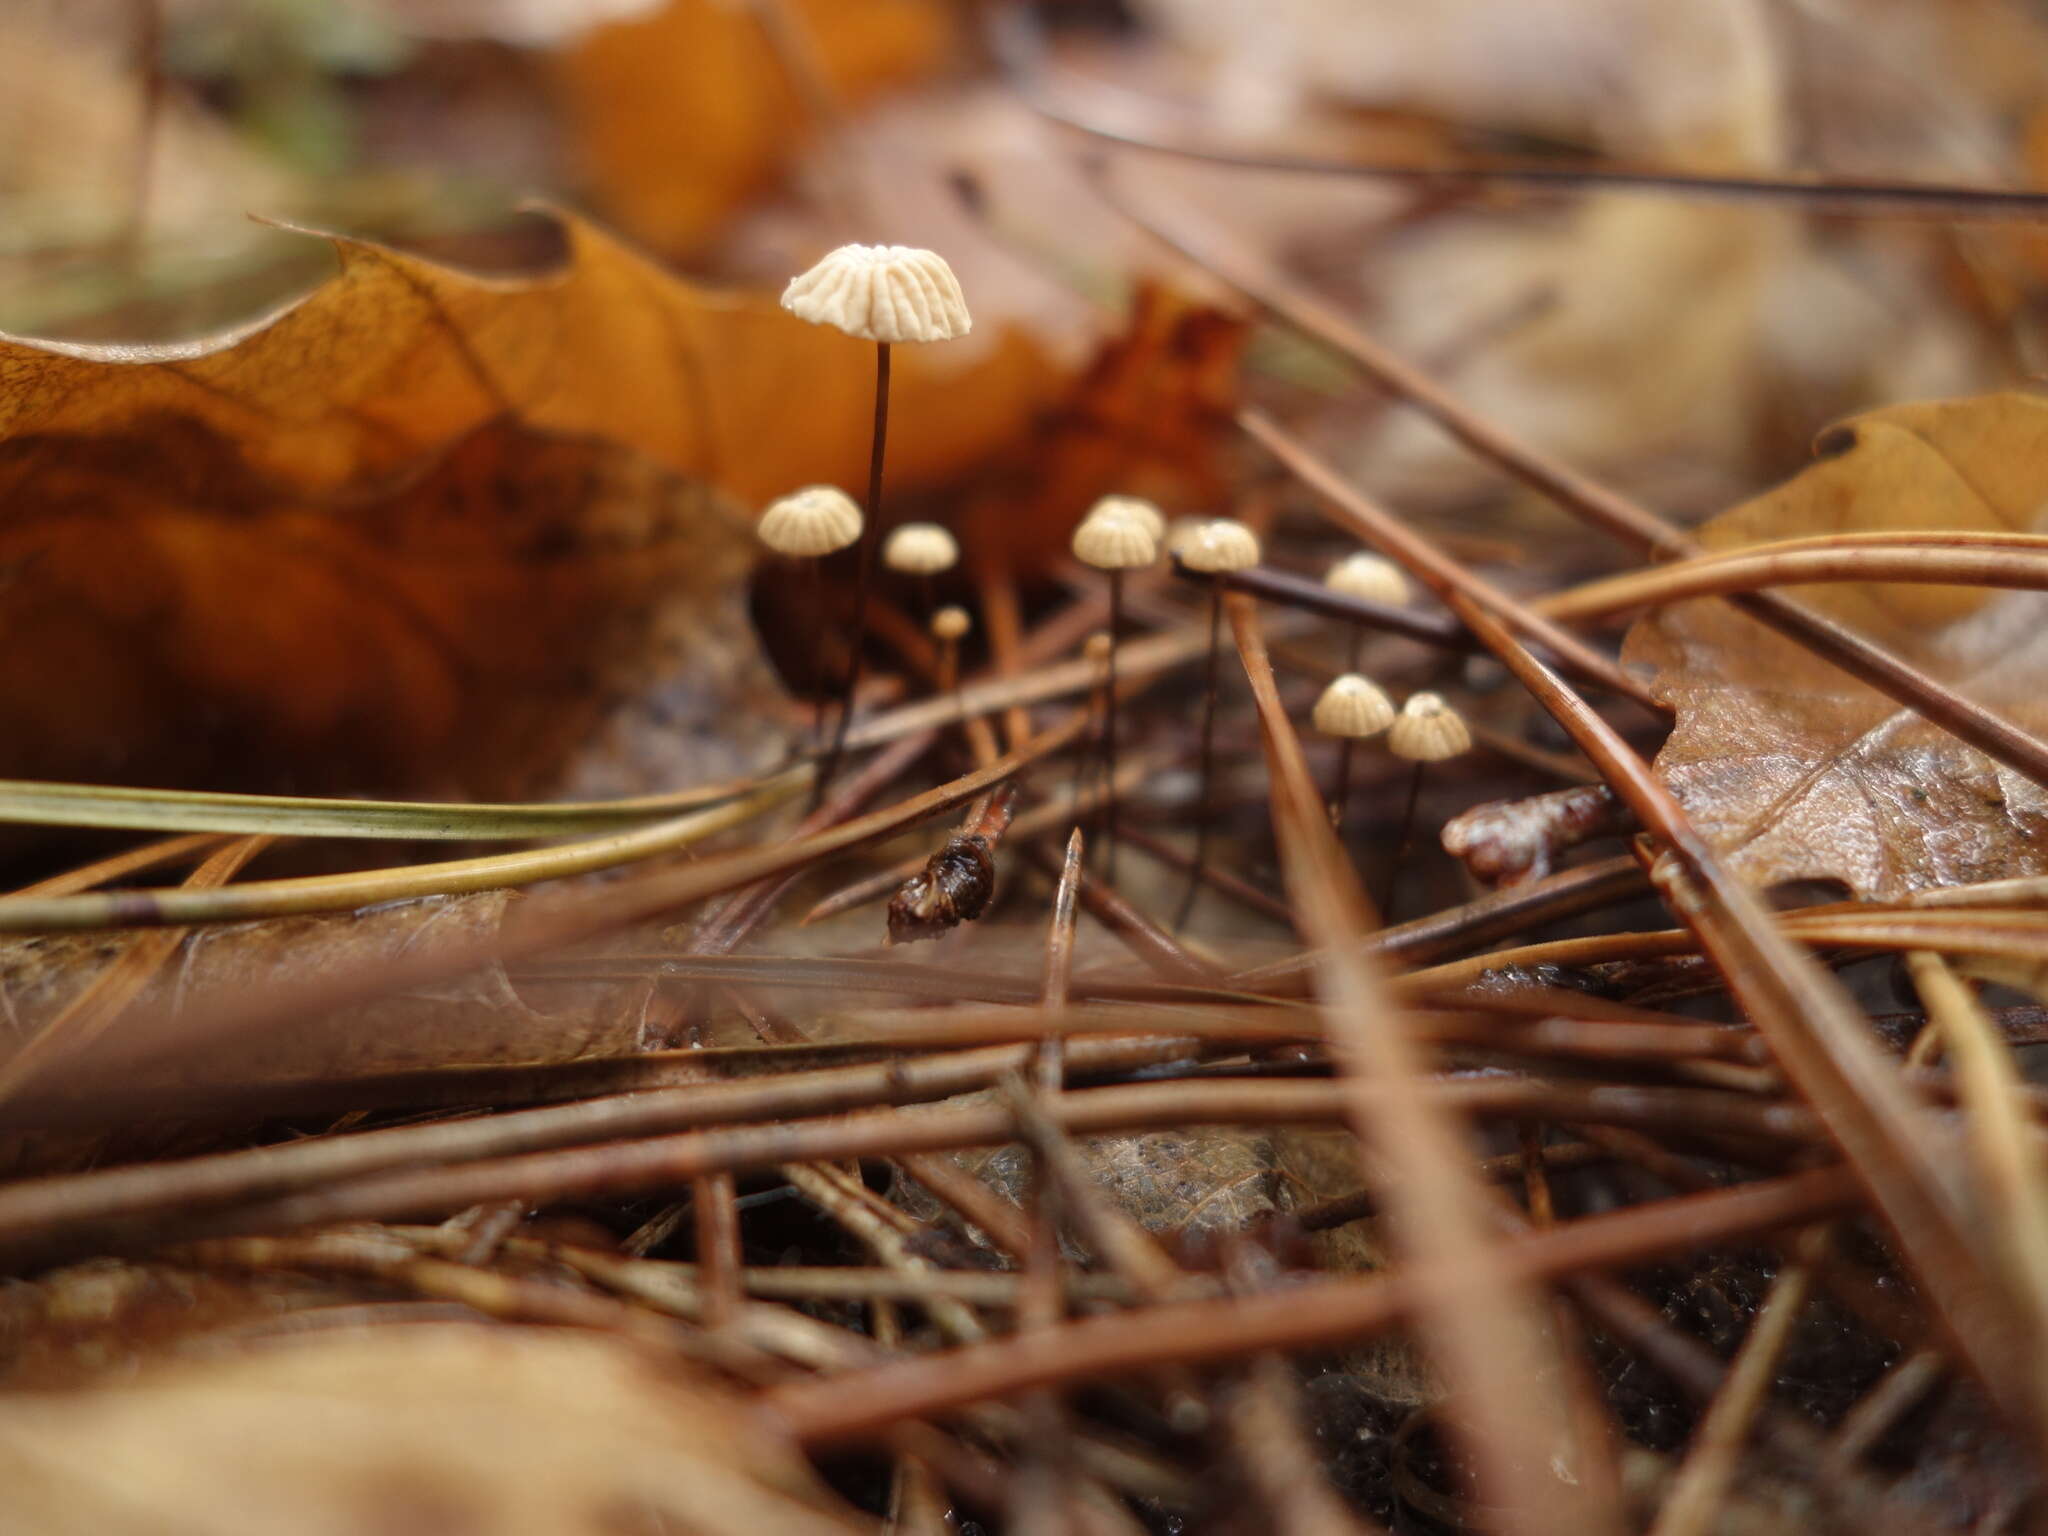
x: 893, y: 294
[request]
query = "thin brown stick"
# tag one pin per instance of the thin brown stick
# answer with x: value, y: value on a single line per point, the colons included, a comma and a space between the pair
x: 1486, y: 1330
x: 1376, y: 527
x: 1754, y: 569
x: 107, y: 996
x: 1312, y: 1314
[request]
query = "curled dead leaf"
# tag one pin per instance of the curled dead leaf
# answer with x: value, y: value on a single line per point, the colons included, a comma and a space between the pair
x: 1794, y: 770
x: 396, y: 356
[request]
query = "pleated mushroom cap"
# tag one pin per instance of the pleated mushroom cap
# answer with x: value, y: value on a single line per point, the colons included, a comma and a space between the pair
x: 1222, y: 544
x: 1428, y: 730
x: 813, y: 521
x: 1114, y: 541
x: 886, y: 293
x: 1354, y: 707
x: 951, y: 623
x: 1369, y: 576
x: 1134, y: 507
x: 920, y: 549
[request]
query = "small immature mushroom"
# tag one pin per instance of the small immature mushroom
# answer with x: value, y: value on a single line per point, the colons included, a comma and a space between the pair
x: 950, y: 625
x: 1117, y: 536
x: 1137, y: 508
x: 1352, y: 709
x: 920, y: 549
x: 884, y: 294
x: 1374, y: 579
x: 807, y: 525
x: 1214, y: 548
x: 1426, y: 731
x: 817, y: 520
x: 1368, y: 576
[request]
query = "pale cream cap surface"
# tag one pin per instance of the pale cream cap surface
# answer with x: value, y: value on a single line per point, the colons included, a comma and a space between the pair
x: 813, y: 521
x: 1135, y: 507
x: 1221, y: 544
x: 889, y: 293
x: 1428, y: 730
x: 1114, y: 541
x: 1353, y: 706
x: 1369, y: 576
x: 920, y: 549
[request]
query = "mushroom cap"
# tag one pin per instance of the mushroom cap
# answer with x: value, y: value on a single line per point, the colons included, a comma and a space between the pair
x: 920, y: 549
x: 1096, y: 647
x: 1136, y: 507
x: 1370, y: 576
x: 1428, y: 730
x: 813, y: 521
x: 1114, y: 541
x: 951, y: 623
x: 1180, y: 530
x: 1221, y: 544
x: 881, y: 293
x: 1353, y: 706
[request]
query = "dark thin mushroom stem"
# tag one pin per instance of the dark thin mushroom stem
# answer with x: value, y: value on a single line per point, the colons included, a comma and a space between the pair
x: 1403, y: 837
x: 1207, y: 755
x: 865, y: 580
x: 1340, y: 796
x: 1116, y: 615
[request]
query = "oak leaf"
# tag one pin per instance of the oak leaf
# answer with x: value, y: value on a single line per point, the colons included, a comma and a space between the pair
x: 396, y: 356
x: 426, y: 530
x: 1796, y: 771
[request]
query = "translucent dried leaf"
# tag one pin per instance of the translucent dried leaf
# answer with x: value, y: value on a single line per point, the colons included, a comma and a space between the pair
x: 1795, y: 771
x: 174, y: 617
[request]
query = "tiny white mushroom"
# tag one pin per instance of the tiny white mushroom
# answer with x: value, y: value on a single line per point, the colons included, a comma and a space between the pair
x: 1136, y: 507
x: 1219, y: 545
x: 920, y: 549
x: 1372, y: 577
x: 811, y: 522
x: 1215, y: 548
x: 1353, y: 707
x: 1114, y: 541
x: 1115, y: 538
x: 1428, y: 731
x: 885, y: 294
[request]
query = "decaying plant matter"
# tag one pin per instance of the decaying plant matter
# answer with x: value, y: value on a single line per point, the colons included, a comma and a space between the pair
x: 761, y: 1128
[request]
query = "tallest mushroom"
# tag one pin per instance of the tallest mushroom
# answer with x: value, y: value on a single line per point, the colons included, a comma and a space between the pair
x: 885, y: 294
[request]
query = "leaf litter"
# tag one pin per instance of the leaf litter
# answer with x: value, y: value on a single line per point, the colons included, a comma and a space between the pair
x: 284, y: 557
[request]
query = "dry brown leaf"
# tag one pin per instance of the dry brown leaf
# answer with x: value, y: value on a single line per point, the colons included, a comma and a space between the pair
x: 252, y: 582
x: 679, y: 118
x: 428, y: 1427
x: 396, y: 356
x: 176, y: 618
x: 1793, y: 770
